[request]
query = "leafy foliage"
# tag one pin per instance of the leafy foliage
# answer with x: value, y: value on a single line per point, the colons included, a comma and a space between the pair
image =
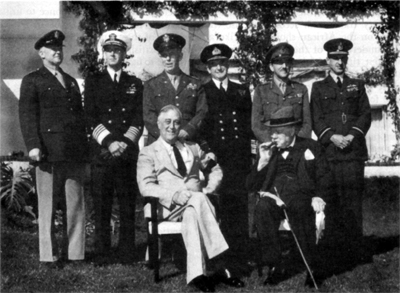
x: 254, y: 36
x: 15, y: 188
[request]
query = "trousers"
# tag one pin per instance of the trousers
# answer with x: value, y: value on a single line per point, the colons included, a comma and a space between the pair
x: 60, y: 186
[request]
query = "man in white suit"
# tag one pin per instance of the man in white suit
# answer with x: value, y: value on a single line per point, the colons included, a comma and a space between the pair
x: 170, y: 170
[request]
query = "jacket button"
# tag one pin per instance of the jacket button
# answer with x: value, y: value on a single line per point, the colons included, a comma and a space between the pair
x: 236, y: 136
x: 222, y: 129
x: 234, y: 120
x: 177, y: 104
x: 109, y: 121
x: 236, y: 128
x: 123, y: 109
x: 234, y: 113
x: 124, y: 121
x: 71, y: 109
x: 109, y: 110
x: 176, y: 97
x: 220, y: 121
x: 223, y: 138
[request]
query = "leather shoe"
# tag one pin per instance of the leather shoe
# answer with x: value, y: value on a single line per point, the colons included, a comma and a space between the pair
x: 203, y: 283
x: 226, y: 277
x: 275, y: 276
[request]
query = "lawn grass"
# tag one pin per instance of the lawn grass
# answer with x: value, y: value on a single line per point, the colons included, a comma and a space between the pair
x: 22, y: 272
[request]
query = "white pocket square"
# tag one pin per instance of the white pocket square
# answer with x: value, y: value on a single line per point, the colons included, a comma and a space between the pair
x: 308, y: 155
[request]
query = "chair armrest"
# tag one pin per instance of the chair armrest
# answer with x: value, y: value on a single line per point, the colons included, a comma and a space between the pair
x: 153, y: 201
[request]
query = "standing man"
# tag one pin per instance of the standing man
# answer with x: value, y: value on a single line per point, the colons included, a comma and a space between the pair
x: 280, y: 92
x: 52, y: 124
x: 341, y: 119
x: 226, y: 131
x: 170, y: 171
x: 293, y: 174
x: 113, y: 103
x: 173, y: 87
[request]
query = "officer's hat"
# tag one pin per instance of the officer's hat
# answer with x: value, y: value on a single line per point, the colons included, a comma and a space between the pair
x: 169, y: 41
x: 53, y: 38
x: 215, y: 51
x: 337, y: 47
x: 281, y: 51
x: 116, y: 38
x: 282, y: 117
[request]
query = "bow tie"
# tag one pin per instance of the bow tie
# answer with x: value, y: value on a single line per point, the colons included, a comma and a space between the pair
x: 288, y: 149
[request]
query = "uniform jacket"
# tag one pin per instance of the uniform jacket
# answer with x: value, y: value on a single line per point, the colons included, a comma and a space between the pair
x: 226, y: 131
x: 157, y: 176
x: 52, y: 118
x: 312, y: 169
x: 341, y: 111
x: 114, y: 110
x: 268, y: 98
x: 189, y: 98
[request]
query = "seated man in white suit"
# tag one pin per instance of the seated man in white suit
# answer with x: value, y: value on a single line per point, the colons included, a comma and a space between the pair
x: 170, y: 170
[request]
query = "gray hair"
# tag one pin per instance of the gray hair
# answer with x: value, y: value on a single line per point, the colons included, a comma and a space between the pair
x: 168, y: 108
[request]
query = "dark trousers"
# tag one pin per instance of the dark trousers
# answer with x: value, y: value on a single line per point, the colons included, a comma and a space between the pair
x: 349, y: 179
x: 268, y: 217
x: 115, y: 176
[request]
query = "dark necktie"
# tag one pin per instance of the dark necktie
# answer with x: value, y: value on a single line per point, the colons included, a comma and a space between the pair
x: 179, y: 161
x: 339, y: 82
x: 288, y: 149
x: 222, y: 89
x: 115, y: 78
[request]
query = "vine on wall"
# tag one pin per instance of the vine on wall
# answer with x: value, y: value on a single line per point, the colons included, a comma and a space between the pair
x: 254, y: 36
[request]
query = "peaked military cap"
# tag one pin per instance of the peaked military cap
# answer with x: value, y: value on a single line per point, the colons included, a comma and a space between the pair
x: 53, y: 38
x: 280, y: 51
x: 282, y: 117
x: 338, y: 47
x: 215, y: 51
x: 115, y: 38
x: 169, y: 41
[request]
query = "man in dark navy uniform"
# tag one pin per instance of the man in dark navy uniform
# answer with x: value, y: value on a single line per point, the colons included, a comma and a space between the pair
x: 226, y: 132
x: 278, y: 93
x: 53, y: 127
x: 113, y: 103
x: 173, y: 87
x: 341, y: 118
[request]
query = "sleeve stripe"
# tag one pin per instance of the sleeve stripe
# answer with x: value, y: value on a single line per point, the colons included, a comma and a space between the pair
x: 99, y: 133
x: 323, y: 132
x: 133, y: 134
x: 358, y: 129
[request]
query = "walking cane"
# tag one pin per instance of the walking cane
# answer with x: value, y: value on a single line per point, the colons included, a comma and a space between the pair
x: 297, y: 243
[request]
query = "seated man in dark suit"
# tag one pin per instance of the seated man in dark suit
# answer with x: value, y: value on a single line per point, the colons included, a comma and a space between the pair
x: 291, y: 173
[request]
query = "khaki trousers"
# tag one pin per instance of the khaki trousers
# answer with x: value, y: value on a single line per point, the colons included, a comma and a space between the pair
x: 60, y: 186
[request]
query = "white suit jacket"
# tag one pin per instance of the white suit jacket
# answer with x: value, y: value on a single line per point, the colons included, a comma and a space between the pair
x: 157, y: 176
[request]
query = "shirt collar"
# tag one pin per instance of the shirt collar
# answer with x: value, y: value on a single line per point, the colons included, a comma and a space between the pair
x: 224, y: 83
x: 335, y: 76
x: 52, y: 70
x: 172, y: 76
x: 178, y: 144
x: 112, y: 72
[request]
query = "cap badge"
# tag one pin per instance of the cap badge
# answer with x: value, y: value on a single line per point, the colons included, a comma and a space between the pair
x: 166, y: 38
x: 112, y: 37
x: 56, y: 34
x: 216, y: 51
x: 340, y: 47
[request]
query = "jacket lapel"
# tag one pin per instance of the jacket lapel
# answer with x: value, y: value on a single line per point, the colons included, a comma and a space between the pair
x: 164, y: 158
x: 297, y: 152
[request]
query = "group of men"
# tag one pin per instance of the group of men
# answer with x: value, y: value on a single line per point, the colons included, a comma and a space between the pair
x: 199, y: 143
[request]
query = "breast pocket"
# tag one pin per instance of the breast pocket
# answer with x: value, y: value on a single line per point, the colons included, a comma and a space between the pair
x: 352, y: 103
x: 297, y: 103
x: 329, y: 103
x: 269, y: 107
x: 52, y: 98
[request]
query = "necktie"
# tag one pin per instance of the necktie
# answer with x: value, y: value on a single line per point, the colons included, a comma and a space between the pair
x: 60, y: 78
x: 288, y: 149
x: 283, y: 87
x: 179, y: 161
x: 222, y: 89
x: 115, y: 78
x: 175, y: 82
x: 339, y: 82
